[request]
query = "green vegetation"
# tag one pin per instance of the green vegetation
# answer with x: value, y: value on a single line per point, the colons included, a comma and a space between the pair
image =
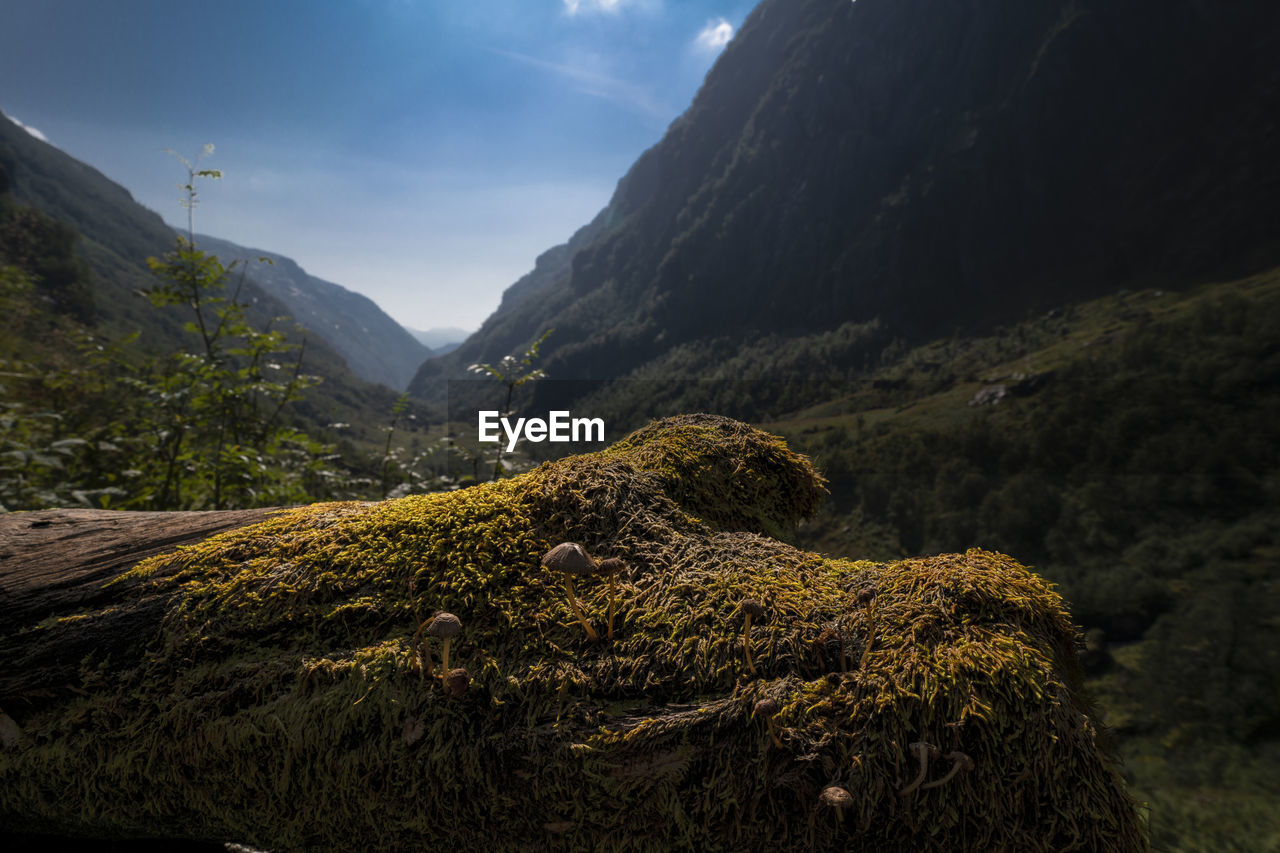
x: 285, y: 701
x: 56, y: 379
x: 219, y: 420
x: 116, y: 237
x: 212, y: 414
x: 1135, y: 460
x: 512, y: 373
x: 1127, y: 447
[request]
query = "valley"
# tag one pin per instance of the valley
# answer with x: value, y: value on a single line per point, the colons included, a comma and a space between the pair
x: 1006, y: 275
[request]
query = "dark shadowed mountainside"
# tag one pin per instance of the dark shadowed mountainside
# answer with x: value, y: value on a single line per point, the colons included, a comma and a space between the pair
x: 936, y: 164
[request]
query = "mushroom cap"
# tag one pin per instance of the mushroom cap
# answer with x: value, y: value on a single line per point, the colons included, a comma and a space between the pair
x: 444, y: 625
x: 611, y: 566
x: 865, y: 593
x: 927, y: 748
x: 569, y: 557
x: 766, y: 707
x: 456, y: 682
x: 834, y: 795
x: 752, y: 608
x: 964, y: 761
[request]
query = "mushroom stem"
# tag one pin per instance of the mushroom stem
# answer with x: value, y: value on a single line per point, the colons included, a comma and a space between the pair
x: 773, y: 733
x: 959, y: 761
x: 766, y: 708
x: 577, y: 611
x: 445, y: 626
x: 749, y: 607
x: 922, y: 751
x: 612, y: 589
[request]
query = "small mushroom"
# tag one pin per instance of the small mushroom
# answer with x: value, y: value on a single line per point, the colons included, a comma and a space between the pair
x: 571, y: 559
x: 923, y: 753
x: 751, y: 608
x: 610, y: 569
x: 456, y: 682
x: 446, y: 626
x: 767, y: 708
x: 959, y: 761
x: 836, y: 797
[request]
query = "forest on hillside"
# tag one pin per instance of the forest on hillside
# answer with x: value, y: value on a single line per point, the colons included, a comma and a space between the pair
x: 1127, y: 447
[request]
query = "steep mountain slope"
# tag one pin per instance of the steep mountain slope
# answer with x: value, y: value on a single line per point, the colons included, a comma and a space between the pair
x: 117, y: 235
x: 376, y: 348
x: 932, y: 163
x: 534, y: 298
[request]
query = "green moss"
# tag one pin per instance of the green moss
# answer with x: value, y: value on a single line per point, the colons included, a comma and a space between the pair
x: 284, y: 703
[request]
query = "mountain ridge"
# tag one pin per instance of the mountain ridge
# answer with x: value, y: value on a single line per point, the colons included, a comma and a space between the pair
x: 932, y: 164
x: 376, y: 347
x: 440, y: 339
x: 116, y: 237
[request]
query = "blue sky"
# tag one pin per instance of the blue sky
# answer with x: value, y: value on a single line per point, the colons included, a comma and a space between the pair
x: 422, y: 152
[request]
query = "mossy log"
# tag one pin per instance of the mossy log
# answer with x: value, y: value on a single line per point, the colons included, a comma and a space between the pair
x: 273, y: 685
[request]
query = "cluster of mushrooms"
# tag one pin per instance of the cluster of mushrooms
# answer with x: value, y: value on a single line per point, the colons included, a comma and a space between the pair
x: 570, y: 559
x: 445, y: 626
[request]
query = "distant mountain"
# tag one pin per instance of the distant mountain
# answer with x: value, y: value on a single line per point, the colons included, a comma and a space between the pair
x: 376, y: 348
x: 440, y: 339
x: 933, y: 164
x: 117, y: 235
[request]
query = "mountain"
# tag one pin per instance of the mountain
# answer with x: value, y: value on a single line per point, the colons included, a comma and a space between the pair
x: 933, y: 164
x: 1008, y: 273
x: 376, y: 348
x: 117, y: 235
x: 440, y: 339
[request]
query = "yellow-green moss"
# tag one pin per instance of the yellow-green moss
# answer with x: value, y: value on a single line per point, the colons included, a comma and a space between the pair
x: 284, y: 704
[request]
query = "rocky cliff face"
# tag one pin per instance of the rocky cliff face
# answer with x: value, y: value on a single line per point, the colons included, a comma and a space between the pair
x: 375, y: 347
x: 934, y: 163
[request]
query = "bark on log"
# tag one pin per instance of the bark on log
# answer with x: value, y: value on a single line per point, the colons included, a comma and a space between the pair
x: 59, y: 562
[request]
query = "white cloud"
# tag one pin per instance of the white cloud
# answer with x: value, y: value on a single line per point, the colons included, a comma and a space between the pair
x: 573, y: 7
x: 714, y: 36
x: 599, y: 85
x: 31, y: 130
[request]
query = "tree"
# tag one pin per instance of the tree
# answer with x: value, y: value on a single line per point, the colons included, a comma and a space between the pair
x: 214, y: 412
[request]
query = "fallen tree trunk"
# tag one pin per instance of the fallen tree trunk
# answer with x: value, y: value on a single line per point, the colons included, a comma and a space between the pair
x: 278, y: 684
x: 58, y: 563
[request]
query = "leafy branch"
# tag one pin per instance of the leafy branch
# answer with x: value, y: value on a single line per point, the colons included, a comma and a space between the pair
x: 512, y: 372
